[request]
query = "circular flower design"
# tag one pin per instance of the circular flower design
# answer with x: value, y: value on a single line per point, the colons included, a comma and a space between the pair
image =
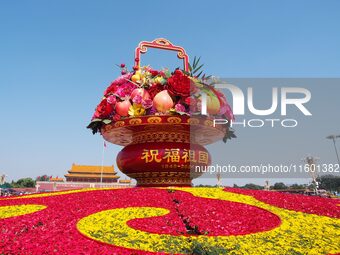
x: 168, y: 221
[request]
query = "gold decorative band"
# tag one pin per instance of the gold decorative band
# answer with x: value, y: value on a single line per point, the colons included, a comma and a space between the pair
x: 162, y: 178
x: 164, y: 182
x: 160, y: 174
x: 161, y: 136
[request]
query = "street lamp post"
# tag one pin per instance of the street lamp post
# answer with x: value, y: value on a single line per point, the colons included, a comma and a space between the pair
x: 334, y: 137
x: 311, y: 161
x: 2, y: 179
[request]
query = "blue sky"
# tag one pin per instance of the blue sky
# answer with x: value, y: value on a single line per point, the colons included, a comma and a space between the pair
x: 57, y: 57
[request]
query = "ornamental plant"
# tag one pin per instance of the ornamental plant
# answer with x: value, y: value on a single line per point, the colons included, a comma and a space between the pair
x: 145, y: 91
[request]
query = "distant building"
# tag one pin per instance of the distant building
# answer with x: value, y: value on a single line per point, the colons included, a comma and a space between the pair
x: 83, y: 173
x: 82, y: 176
x: 56, y: 179
x: 125, y: 181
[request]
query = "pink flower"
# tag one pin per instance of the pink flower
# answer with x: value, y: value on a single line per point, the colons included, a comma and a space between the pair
x: 125, y: 89
x: 137, y: 99
x: 229, y: 113
x: 162, y: 73
x: 147, y: 103
x: 192, y: 103
x: 111, y: 100
x: 225, y: 108
x: 117, y: 82
x: 151, y: 111
x: 179, y: 108
x: 116, y: 117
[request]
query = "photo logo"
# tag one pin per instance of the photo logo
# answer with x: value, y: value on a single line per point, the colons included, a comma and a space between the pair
x: 284, y: 97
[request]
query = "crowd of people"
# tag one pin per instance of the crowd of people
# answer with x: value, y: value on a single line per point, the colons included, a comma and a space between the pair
x: 12, y: 192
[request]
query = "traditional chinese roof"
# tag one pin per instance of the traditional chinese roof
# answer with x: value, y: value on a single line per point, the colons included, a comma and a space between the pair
x: 91, y: 169
x: 85, y: 171
x: 95, y: 175
x: 124, y: 181
x: 56, y: 179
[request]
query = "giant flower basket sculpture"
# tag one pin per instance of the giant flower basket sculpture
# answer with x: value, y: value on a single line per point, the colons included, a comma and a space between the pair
x: 156, y: 116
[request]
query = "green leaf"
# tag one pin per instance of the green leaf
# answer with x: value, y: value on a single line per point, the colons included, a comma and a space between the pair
x: 198, y: 61
x: 106, y: 121
x: 199, y: 74
x: 229, y: 135
x: 95, y: 126
x: 198, y: 68
x: 194, y: 63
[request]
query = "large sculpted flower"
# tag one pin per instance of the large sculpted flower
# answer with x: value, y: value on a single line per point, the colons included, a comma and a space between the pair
x: 179, y: 84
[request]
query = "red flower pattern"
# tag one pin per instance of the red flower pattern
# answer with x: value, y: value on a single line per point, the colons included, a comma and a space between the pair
x: 53, y: 230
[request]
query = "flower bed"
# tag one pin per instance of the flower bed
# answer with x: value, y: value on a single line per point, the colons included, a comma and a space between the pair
x: 169, y: 221
x: 300, y: 203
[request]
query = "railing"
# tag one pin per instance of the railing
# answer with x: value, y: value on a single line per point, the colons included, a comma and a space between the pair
x: 55, y: 186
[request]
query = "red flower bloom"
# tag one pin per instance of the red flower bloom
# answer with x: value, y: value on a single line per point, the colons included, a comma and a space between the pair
x: 125, y: 89
x: 192, y: 103
x: 179, y: 84
x: 154, y: 72
x: 188, y: 100
x: 117, y: 82
x: 103, y: 110
x: 116, y: 117
x: 111, y: 100
x: 300, y: 203
x: 155, y: 89
x: 54, y: 229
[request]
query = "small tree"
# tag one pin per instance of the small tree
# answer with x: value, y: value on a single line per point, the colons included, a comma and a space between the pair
x: 252, y: 186
x: 329, y: 182
x: 24, y: 183
x: 279, y: 185
x: 297, y: 186
x: 6, y: 185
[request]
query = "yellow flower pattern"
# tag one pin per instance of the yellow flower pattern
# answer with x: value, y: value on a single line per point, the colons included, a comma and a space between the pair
x: 18, y: 210
x: 299, y: 233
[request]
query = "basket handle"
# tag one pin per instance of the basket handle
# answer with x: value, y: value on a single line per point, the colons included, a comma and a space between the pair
x: 163, y: 44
